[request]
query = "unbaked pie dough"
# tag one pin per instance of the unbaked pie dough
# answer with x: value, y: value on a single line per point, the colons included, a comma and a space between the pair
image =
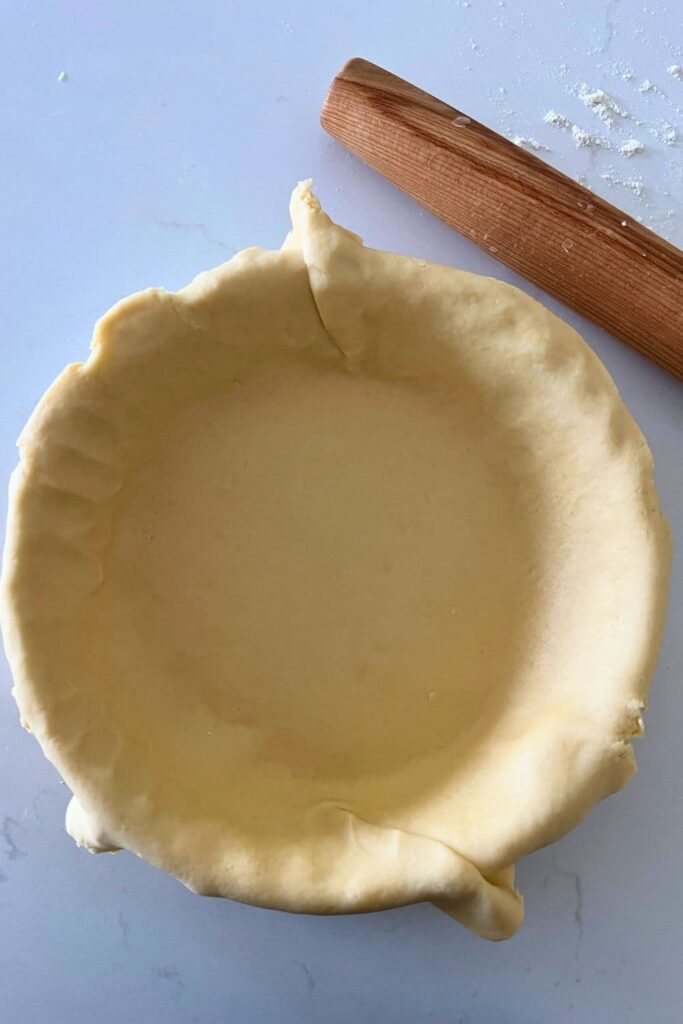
x: 334, y: 581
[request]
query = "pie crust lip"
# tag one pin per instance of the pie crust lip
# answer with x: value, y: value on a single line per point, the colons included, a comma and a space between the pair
x: 335, y: 581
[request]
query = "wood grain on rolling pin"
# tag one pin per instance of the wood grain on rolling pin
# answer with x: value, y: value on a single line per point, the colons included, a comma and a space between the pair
x: 545, y: 226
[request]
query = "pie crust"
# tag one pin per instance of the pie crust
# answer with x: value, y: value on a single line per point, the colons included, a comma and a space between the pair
x: 334, y: 581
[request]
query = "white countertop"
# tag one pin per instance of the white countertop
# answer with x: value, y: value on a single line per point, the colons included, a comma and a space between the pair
x: 174, y: 141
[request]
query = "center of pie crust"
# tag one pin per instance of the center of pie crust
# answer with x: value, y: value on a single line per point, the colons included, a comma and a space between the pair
x: 332, y: 563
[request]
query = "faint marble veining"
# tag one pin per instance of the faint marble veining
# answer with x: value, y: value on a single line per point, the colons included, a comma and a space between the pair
x: 578, y: 906
x: 172, y: 975
x: 177, y: 225
x: 310, y: 980
x: 577, y: 884
x: 610, y: 26
x: 35, y: 810
x: 122, y: 922
x: 12, y: 850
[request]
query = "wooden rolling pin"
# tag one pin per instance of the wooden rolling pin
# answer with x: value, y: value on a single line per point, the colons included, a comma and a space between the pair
x: 554, y: 232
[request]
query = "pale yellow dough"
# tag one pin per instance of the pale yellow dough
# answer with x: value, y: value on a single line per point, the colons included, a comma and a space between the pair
x: 334, y: 581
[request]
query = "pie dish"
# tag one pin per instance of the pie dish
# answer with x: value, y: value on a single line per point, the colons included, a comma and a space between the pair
x: 334, y: 581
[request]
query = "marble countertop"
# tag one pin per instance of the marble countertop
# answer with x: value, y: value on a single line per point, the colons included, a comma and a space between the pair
x: 145, y: 142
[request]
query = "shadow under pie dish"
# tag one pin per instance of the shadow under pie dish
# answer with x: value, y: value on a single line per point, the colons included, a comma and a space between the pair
x: 334, y: 581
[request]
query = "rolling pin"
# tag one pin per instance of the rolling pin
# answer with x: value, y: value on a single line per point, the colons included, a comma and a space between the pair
x: 548, y: 228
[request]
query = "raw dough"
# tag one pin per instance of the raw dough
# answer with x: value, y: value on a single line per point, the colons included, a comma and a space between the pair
x: 334, y: 581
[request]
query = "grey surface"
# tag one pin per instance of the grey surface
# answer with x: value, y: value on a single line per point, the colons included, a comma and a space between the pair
x: 174, y: 143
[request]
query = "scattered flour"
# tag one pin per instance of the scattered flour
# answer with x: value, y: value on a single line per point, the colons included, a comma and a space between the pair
x: 634, y: 184
x: 668, y: 135
x: 600, y: 103
x: 637, y: 98
x: 557, y: 120
x: 631, y: 147
x: 663, y: 132
x: 528, y: 143
x: 583, y: 139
